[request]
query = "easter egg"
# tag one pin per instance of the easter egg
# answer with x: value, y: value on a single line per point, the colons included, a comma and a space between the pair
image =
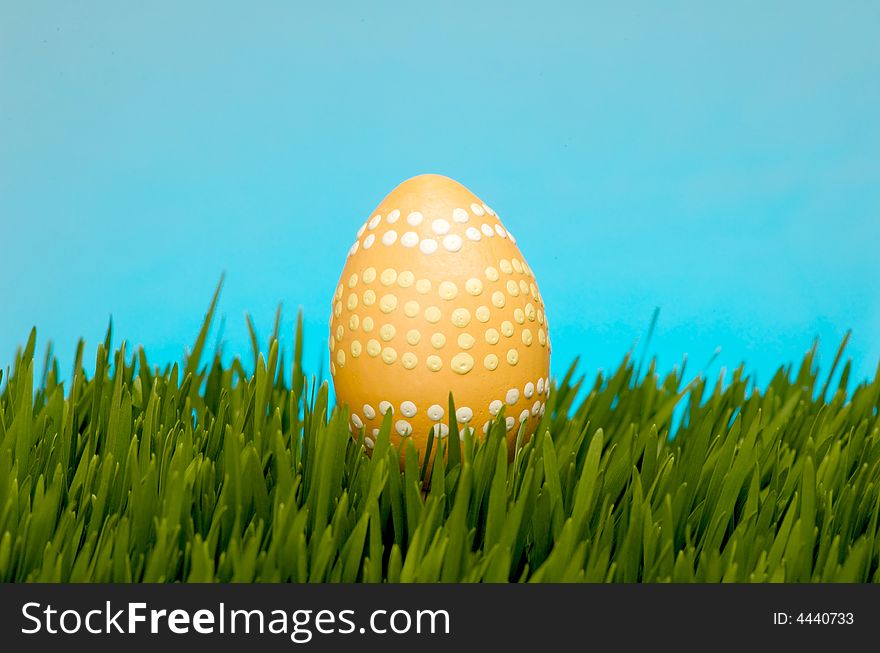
x: 436, y: 297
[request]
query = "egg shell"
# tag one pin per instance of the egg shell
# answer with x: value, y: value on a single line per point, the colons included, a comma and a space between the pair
x: 436, y: 297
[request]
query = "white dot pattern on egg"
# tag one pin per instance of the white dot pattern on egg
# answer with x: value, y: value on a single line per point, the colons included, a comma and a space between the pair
x: 436, y: 297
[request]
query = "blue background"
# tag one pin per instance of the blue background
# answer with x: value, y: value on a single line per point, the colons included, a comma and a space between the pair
x: 721, y: 162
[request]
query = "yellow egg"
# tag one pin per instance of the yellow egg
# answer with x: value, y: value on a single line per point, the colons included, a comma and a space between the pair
x: 458, y: 310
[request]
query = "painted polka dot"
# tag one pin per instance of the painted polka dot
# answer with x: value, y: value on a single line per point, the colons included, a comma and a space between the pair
x: 409, y: 360
x: 478, y: 210
x: 394, y: 216
x: 387, y: 332
x: 354, y: 322
x: 423, y: 286
x: 385, y: 406
x: 483, y: 314
x: 373, y: 347
x: 368, y: 324
x: 473, y: 286
x: 487, y: 230
x: 352, y: 302
x: 529, y: 390
x: 452, y: 243
x: 498, y: 299
x: 388, y: 303
x: 409, y: 239
x: 428, y: 246
x: 536, y: 408
x: 464, y: 414
x: 408, y: 409
x: 374, y: 221
x: 332, y: 343
x: 523, y: 416
x: 353, y: 280
x: 436, y: 412
x: 403, y: 427
x: 369, y: 411
x: 406, y: 279
x: 447, y: 290
x: 440, y: 226
x: 389, y: 355
x: 362, y: 230
x: 460, y: 216
x: 356, y: 348
x: 523, y: 287
x: 542, y: 338
x: 488, y: 210
x: 490, y: 362
x: 438, y: 340
x: 337, y: 310
x: 547, y: 387
x: 411, y: 308
x: 492, y: 274
x: 369, y: 297
x: 369, y: 240
x: 369, y: 275
x: 435, y: 364
x: 505, y: 266
x: 511, y: 236
x: 543, y: 406
x: 472, y: 233
x: 510, y: 422
x: 413, y: 337
x: 540, y: 316
x: 332, y: 368
x: 357, y: 421
x: 500, y: 231
x: 466, y: 341
x: 492, y: 336
x: 530, y: 312
x: 512, y: 356
x: 432, y: 314
x: 390, y: 237
x: 519, y: 315
x: 388, y: 276
x: 461, y: 317
x: 495, y: 407
x: 527, y: 337
x: 512, y: 288
x: 512, y: 396
x: 540, y: 386
x: 354, y: 248
x: 369, y: 443
x: 440, y: 430
x: 507, y: 328
x: 340, y: 331
x: 517, y: 265
x: 415, y: 218
x: 340, y: 357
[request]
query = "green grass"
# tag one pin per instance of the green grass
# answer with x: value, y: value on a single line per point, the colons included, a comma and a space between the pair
x: 201, y: 472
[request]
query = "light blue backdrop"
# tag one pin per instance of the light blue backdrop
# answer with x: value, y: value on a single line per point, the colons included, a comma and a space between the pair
x: 718, y: 160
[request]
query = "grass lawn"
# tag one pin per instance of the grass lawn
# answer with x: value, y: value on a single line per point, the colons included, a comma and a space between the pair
x: 202, y: 472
